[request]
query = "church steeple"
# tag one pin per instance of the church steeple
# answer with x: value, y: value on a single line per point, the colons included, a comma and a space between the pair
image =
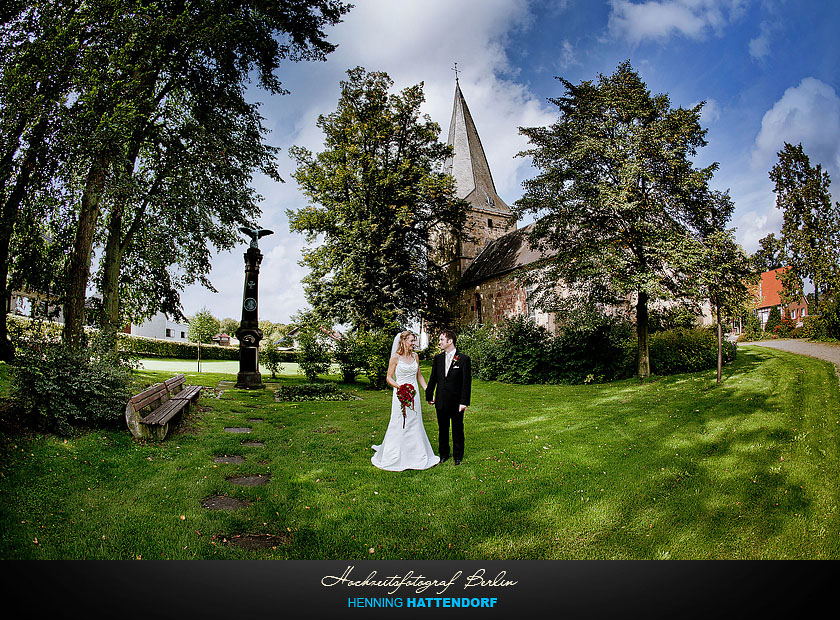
x: 487, y: 218
x: 468, y: 165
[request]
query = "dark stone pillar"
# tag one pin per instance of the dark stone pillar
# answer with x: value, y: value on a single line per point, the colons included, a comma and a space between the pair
x: 249, y: 334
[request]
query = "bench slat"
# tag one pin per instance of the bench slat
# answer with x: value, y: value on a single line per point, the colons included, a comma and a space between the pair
x: 175, y: 381
x: 165, y: 412
x: 188, y: 393
x: 153, y: 396
x: 150, y: 391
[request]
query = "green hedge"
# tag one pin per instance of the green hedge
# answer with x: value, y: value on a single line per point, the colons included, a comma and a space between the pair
x: 518, y: 351
x: 686, y: 350
x: 312, y: 391
x: 152, y: 347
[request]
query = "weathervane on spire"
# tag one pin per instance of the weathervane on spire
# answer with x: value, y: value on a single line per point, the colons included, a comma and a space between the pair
x: 455, y: 69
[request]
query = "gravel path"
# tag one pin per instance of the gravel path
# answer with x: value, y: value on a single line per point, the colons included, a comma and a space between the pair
x: 828, y: 352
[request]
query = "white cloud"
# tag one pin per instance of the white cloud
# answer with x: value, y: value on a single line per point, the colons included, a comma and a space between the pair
x: 661, y: 19
x: 808, y: 114
x: 760, y: 46
x: 413, y: 41
x: 709, y: 113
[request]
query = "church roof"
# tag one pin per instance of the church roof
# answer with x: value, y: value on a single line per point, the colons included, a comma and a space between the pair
x: 468, y: 165
x: 502, y: 256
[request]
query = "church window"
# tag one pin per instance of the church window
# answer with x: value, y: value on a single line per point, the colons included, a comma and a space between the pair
x: 489, y: 223
x: 478, y: 308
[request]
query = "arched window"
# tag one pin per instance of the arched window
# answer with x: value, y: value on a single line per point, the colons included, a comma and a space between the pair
x: 478, y: 308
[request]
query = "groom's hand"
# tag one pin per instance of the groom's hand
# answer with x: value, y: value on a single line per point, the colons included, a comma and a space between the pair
x: 462, y: 408
x: 431, y: 402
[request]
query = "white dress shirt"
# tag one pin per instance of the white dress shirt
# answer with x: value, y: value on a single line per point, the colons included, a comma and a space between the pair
x: 449, y: 357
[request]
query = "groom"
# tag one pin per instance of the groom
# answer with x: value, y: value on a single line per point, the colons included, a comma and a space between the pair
x: 452, y: 376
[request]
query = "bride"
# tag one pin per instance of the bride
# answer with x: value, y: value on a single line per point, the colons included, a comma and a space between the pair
x: 406, y: 445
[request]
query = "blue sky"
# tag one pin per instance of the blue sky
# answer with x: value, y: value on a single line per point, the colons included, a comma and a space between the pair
x: 768, y: 70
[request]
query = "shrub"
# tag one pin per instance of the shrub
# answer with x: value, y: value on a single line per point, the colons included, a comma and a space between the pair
x: 374, y: 350
x: 752, y: 329
x: 813, y: 327
x: 271, y: 357
x: 774, y: 319
x: 312, y: 391
x: 784, y: 328
x: 481, y: 344
x: 596, y: 349
x: 830, y: 316
x: 525, y: 346
x: 686, y: 350
x: 350, y: 355
x: 59, y: 388
x: 313, y: 356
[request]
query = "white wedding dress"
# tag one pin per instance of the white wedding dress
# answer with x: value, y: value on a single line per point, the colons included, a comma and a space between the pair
x: 409, y: 447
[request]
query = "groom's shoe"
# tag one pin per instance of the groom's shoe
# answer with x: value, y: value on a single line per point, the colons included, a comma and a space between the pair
x: 444, y: 459
x: 457, y: 461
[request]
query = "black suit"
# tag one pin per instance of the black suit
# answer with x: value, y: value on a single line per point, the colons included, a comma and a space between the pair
x: 450, y: 391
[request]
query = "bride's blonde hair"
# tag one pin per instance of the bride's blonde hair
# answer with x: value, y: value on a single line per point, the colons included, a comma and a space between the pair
x: 403, y: 348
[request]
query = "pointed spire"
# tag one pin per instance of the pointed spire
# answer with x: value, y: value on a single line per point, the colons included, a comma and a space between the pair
x: 469, y: 165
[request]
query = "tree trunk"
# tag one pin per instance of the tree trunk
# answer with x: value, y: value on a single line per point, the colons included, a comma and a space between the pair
x: 79, y: 268
x: 10, y: 210
x: 720, y: 346
x: 642, y: 334
x: 111, y: 272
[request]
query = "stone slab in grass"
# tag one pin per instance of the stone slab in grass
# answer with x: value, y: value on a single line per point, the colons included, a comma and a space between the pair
x: 237, y: 429
x: 228, y: 458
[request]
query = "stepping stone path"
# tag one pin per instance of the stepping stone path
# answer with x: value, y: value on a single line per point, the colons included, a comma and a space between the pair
x: 251, y: 542
x: 229, y: 459
x: 255, y: 480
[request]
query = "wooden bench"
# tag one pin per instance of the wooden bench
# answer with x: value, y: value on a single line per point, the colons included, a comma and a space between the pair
x: 149, y: 413
x: 178, y: 390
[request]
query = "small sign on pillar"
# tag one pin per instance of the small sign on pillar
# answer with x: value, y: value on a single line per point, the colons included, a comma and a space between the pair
x: 249, y: 333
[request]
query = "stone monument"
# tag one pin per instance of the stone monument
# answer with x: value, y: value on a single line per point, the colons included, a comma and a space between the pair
x: 249, y: 333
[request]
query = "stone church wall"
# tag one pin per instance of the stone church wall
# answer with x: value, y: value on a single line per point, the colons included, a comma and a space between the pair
x: 496, y: 299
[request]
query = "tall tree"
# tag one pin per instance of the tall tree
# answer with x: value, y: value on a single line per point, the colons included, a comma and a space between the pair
x: 39, y: 49
x: 375, y: 193
x: 811, y: 226
x: 768, y: 256
x: 723, y: 271
x: 616, y: 195
x: 203, y: 326
x: 156, y: 126
x: 200, y: 57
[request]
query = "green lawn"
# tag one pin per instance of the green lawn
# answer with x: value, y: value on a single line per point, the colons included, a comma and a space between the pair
x: 675, y: 468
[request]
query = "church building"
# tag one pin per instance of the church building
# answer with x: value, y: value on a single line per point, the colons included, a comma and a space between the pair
x: 485, y: 259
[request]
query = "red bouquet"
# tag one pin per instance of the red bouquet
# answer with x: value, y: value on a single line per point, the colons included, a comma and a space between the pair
x: 405, y: 393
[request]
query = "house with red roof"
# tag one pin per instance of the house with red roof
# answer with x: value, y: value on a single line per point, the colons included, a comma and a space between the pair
x: 767, y: 296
